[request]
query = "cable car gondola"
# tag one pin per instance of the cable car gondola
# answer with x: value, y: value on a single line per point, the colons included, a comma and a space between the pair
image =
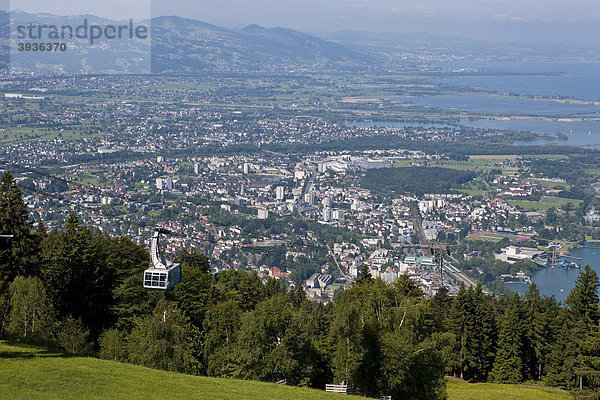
x: 162, y: 275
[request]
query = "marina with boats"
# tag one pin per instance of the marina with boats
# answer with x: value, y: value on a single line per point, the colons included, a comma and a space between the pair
x: 558, y: 279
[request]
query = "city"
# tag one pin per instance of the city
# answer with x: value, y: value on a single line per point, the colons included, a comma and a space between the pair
x: 255, y: 201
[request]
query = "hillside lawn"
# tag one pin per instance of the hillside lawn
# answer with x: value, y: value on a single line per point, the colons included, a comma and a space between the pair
x: 28, y: 372
x: 494, y: 391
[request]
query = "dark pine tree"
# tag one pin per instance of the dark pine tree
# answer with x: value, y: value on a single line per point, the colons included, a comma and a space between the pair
x: 563, y: 356
x: 19, y: 254
x: 583, y: 299
x: 483, y: 337
x: 509, y: 366
x: 540, y: 314
x: 364, y: 276
x: 588, y: 368
x: 459, y: 328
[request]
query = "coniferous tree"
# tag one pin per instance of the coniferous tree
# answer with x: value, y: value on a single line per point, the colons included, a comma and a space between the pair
x: 78, y: 278
x: 588, y: 368
x: 364, y: 276
x: 540, y: 315
x: 583, y: 311
x: 563, y: 356
x: 251, y: 291
x: 273, y: 287
x: 583, y: 299
x: 129, y: 260
x: 458, y: 326
x: 441, y: 305
x: 298, y: 296
x: 464, y: 321
x: 509, y: 366
x: 18, y: 255
x: 483, y: 336
x: 192, y: 293
x: 404, y: 286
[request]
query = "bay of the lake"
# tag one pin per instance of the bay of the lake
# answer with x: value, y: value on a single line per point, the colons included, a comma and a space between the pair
x: 558, y: 282
x: 577, y: 79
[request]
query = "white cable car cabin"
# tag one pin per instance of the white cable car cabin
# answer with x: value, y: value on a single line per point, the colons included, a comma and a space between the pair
x: 163, y: 275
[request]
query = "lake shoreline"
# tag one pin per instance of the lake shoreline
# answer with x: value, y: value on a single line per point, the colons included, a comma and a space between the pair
x: 559, y: 282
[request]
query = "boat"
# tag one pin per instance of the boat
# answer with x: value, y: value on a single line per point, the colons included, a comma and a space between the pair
x: 567, y: 264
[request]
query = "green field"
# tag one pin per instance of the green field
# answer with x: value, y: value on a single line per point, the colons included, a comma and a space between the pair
x: 546, y: 156
x: 19, y: 135
x: 471, y: 165
x: 544, y: 204
x: 552, y: 185
x: 33, y: 373
x: 493, y: 391
x: 495, y: 237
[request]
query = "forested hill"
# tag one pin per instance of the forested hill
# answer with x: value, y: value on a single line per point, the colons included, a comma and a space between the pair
x: 80, y: 290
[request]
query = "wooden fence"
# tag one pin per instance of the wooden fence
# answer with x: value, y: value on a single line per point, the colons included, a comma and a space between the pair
x: 342, y: 388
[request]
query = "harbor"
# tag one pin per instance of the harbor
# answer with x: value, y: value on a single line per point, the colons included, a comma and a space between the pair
x: 558, y: 281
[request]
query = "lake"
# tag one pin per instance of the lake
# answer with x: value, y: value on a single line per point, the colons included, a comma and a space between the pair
x: 502, y: 105
x: 579, y: 133
x: 577, y: 79
x: 558, y: 282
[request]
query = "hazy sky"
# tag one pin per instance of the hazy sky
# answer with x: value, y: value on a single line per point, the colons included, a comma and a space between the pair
x: 503, y: 20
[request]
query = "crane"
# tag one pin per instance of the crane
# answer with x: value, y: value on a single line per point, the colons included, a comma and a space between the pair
x: 162, y: 275
x: 554, y: 244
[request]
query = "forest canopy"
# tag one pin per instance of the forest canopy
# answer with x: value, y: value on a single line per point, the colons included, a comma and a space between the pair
x: 415, y: 180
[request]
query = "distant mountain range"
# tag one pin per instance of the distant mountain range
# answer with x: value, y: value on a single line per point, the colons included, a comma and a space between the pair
x: 387, y: 46
x: 182, y: 45
x: 4, y: 45
x: 186, y: 45
x: 390, y: 42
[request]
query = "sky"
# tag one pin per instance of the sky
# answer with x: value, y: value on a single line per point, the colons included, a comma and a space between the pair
x: 533, y: 21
